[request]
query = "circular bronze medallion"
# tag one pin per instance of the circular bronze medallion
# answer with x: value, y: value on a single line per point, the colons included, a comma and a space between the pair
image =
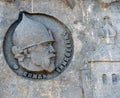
x: 38, y: 46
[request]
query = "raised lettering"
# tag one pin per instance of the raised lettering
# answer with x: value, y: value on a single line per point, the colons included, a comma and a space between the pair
x: 35, y: 76
x: 39, y: 76
x: 58, y: 70
x: 67, y: 54
x: 25, y: 74
x: 30, y: 75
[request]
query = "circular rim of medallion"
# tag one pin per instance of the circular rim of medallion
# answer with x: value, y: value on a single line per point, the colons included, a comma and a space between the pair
x: 19, y: 70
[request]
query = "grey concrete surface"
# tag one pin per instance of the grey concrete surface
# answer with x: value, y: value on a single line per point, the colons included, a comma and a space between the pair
x: 85, y: 21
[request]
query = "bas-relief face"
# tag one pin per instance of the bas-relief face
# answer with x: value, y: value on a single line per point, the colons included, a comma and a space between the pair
x: 31, y: 53
x: 38, y: 57
x: 43, y: 55
x: 33, y: 47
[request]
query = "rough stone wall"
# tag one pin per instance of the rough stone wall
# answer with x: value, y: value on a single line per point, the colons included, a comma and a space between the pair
x: 85, y: 21
x: 105, y: 80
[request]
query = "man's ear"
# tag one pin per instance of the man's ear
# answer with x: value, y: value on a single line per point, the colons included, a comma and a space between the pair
x: 17, y: 53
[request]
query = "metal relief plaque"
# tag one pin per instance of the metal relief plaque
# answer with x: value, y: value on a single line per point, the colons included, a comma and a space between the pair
x: 38, y: 46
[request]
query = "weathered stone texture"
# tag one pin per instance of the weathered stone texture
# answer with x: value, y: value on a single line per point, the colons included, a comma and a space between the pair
x: 85, y: 23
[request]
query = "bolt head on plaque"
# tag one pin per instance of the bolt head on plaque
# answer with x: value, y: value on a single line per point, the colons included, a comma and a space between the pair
x: 38, y: 46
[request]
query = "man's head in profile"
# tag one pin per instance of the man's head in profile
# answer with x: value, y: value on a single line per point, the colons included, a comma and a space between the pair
x: 33, y: 45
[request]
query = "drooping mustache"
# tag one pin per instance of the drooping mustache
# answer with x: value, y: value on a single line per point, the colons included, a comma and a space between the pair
x: 51, y: 55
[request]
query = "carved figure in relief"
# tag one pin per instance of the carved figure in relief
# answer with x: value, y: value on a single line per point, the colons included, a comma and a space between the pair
x: 33, y: 46
x: 108, y: 30
x: 38, y: 46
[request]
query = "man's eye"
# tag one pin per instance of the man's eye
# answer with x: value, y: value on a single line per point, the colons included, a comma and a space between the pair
x: 46, y: 44
x: 49, y: 44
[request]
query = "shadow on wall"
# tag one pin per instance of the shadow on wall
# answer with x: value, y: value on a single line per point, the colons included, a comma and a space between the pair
x: 113, y: 76
x: 70, y: 3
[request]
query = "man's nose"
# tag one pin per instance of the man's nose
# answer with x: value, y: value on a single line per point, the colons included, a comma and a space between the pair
x: 51, y: 49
